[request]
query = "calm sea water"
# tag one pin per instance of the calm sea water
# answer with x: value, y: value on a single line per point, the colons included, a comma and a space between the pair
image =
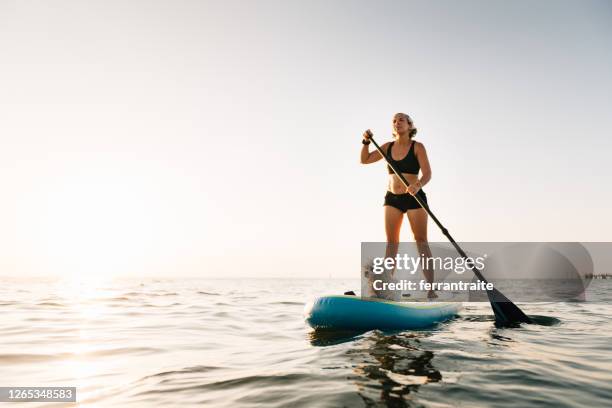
x: 187, y: 342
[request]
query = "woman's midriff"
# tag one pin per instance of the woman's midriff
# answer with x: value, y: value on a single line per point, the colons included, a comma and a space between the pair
x: 395, y: 184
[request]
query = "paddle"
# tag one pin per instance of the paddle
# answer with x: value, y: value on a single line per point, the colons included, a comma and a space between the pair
x: 506, y: 312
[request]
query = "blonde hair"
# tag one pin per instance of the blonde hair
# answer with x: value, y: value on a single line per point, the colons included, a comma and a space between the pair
x: 413, y: 131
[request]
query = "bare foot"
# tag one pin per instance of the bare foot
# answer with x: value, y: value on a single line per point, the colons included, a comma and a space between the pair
x: 431, y: 295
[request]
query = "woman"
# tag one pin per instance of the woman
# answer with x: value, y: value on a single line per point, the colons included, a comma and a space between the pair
x: 408, y: 156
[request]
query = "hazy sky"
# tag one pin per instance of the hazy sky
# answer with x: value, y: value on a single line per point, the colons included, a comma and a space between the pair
x: 213, y: 138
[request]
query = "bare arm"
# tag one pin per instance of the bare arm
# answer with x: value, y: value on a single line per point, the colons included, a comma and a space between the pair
x: 368, y: 157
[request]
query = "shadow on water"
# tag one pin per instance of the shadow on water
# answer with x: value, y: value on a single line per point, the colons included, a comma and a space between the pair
x: 324, y: 338
x: 387, y: 366
x: 331, y: 337
x: 391, y: 367
x: 535, y: 319
x: 544, y: 320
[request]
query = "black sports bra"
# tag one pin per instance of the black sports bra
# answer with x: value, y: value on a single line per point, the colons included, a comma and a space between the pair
x: 409, y: 164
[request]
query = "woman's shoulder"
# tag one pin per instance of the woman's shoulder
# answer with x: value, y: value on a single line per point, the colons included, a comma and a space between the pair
x: 418, y: 146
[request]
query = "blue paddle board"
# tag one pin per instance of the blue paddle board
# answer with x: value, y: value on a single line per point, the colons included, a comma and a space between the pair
x: 354, y: 313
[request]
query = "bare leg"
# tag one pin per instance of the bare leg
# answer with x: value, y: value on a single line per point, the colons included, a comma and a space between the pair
x: 393, y: 225
x: 418, y: 224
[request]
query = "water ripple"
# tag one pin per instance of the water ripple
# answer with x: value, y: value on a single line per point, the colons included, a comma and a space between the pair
x: 158, y: 343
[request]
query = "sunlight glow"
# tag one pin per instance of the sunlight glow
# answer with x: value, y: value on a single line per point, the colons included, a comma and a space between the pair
x: 100, y: 226
x: 106, y: 218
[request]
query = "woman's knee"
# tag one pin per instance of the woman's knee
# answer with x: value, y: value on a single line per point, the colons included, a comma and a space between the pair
x: 420, y: 237
x: 393, y: 237
x: 393, y: 241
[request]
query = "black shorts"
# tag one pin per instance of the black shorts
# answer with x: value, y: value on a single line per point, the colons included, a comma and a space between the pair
x: 404, y: 202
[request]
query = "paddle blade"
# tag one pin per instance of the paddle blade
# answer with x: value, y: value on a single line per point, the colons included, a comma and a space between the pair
x: 506, y: 312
